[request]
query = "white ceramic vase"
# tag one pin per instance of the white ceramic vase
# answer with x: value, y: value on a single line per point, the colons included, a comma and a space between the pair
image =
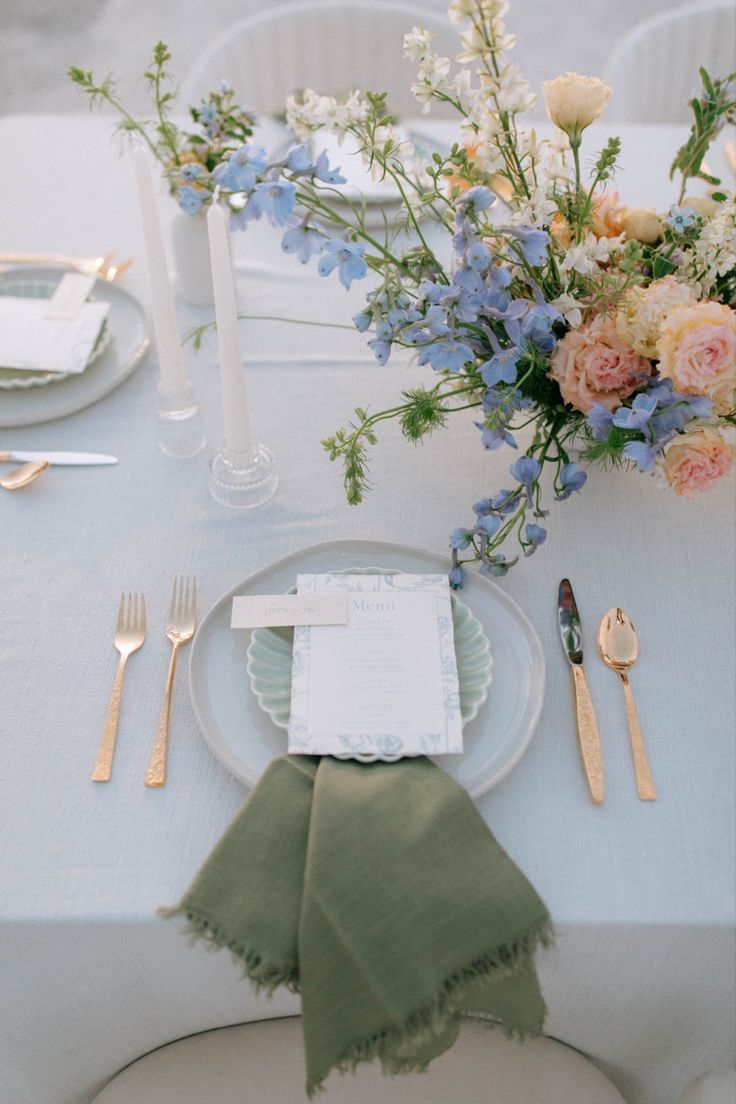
x: 193, y: 276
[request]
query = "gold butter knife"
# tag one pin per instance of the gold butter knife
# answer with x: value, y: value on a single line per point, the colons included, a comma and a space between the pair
x: 587, y: 726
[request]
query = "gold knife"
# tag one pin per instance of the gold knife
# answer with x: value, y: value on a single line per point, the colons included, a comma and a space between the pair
x: 572, y: 643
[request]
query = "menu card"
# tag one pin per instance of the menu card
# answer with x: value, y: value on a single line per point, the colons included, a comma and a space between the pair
x: 32, y: 341
x: 386, y: 682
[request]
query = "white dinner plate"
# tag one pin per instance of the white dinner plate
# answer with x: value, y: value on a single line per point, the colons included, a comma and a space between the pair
x: 244, y: 738
x: 123, y: 352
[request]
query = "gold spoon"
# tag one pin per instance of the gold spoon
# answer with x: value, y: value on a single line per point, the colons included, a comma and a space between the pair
x: 619, y: 649
x: 22, y: 476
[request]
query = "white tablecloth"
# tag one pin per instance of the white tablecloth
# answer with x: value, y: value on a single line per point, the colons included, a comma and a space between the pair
x: 642, y: 894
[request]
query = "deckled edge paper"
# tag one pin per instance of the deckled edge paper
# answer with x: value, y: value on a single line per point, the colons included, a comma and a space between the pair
x: 31, y: 342
x: 448, y: 742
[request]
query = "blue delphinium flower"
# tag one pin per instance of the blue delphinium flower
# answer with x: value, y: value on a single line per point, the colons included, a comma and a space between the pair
x: 456, y: 577
x: 525, y: 470
x: 347, y: 257
x: 488, y: 525
x: 381, y: 349
x: 572, y: 479
x: 275, y: 198
x: 478, y: 198
x: 191, y: 199
x: 298, y: 160
x: 478, y: 256
x: 641, y: 454
x: 301, y: 239
x: 239, y: 173
x: 505, y: 502
x: 496, y: 565
x: 449, y: 354
x: 324, y: 173
x: 501, y: 368
x: 191, y: 171
x: 637, y: 415
x: 532, y: 244
x: 363, y: 319
x: 207, y: 113
x: 492, y: 437
x: 600, y: 420
x: 460, y: 538
x: 680, y: 218
x: 535, y: 535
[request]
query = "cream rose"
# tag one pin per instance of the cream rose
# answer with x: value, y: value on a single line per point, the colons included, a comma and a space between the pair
x: 574, y: 102
x: 702, y: 205
x: 591, y: 364
x: 643, y: 310
x: 697, y: 351
x: 641, y: 224
x: 697, y: 460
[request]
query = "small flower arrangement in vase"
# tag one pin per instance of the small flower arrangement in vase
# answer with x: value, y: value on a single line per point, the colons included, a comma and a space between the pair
x: 187, y: 156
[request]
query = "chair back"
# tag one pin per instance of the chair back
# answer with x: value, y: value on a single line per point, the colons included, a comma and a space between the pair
x: 332, y: 46
x: 654, y: 70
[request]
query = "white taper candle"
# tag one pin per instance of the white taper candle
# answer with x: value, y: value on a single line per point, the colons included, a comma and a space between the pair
x: 238, y: 436
x: 170, y: 360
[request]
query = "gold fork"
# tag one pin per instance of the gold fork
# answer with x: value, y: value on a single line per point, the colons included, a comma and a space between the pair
x: 179, y: 630
x: 130, y: 632
x: 90, y: 266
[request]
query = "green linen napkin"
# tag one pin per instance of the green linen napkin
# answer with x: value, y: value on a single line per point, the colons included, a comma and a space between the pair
x: 377, y: 892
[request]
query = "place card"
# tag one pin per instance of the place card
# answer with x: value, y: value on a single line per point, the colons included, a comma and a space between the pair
x: 256, y: 611
x: 30, y: 341
x: 385, y: 683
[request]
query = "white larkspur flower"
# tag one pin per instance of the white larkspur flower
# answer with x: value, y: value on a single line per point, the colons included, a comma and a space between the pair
x: 569, y: 308
x: 714, y: 251
x: 487, y: 9
x: 417, y: 43
x: 585, y: 257
x: 514, y: 94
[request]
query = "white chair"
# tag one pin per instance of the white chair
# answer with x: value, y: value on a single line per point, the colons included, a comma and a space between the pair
x: 262, y: 1063
x: 718, y: 1087
x: 332, y: 46
x: 654, y: 70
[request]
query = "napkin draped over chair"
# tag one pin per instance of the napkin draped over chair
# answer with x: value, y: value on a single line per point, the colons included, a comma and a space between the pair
x: 378, y: 893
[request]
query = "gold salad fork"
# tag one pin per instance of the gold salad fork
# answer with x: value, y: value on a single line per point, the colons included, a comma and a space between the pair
x: 179, y: 630
x: 102, y: 267
x: 130, y: 632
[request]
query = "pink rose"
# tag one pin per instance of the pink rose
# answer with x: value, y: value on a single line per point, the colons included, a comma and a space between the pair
x: 591, y: 364
x: 697, y: 460
x: 697, y: 351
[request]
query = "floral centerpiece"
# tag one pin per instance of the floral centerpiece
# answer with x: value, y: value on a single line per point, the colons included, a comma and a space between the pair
x: 530, y: 293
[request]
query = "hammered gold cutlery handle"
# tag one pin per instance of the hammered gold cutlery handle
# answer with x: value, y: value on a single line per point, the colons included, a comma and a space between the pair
x: 156, y: 774
x: 590, y: 745
x: 103, y: 764
x: 644, y: 781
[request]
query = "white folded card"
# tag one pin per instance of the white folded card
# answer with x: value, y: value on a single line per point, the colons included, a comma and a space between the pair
x: 386, y: 682
x: 32, y: 342
x: 254, y: 611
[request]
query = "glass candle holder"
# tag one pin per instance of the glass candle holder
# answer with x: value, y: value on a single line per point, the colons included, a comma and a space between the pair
x: 180, y: 426
x: 242, y: 480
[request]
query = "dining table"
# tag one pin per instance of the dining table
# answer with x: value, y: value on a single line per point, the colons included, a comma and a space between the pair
x: 640, y: 977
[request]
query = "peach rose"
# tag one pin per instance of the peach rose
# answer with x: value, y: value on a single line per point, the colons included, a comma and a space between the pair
x: 592, y: 364
x: 606, y: 215
x: 697, y: 460
x: 697, y: 351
